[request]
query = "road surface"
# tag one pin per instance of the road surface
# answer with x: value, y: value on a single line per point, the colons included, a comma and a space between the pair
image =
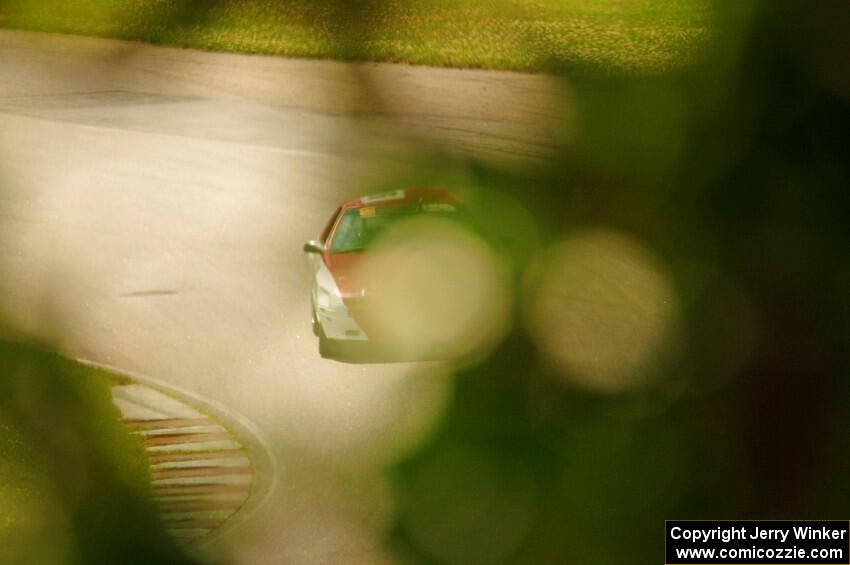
x: 153, y: 203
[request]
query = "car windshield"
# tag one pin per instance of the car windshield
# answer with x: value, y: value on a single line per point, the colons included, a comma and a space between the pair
x: 360, y: 226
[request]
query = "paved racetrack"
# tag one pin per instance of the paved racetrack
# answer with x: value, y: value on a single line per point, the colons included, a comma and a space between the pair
x: 153, y: 203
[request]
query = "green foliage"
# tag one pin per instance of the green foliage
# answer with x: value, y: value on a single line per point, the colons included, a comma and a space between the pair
x: 74, y: 484
x: 501, y: 34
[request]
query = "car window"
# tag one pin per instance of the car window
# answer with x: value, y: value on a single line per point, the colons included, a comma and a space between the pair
x: 359, y: 227
x: 349, y: 233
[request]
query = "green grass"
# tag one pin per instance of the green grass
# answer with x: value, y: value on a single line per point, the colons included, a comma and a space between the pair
x: 74, y: 484
x: 528, y: 35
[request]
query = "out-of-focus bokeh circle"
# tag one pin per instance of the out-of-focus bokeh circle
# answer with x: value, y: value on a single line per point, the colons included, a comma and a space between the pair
x: 600, y: 310
x: 436, y: 289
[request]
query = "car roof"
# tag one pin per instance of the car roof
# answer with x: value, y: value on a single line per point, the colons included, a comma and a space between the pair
x: 406, y: 196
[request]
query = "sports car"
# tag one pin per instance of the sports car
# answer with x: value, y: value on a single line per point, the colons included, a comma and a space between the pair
x: 339, y: 298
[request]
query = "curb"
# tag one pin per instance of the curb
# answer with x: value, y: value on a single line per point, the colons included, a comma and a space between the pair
x: 179, y: 422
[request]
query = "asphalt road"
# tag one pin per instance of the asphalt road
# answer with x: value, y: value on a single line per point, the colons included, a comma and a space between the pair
x: 153, y: 203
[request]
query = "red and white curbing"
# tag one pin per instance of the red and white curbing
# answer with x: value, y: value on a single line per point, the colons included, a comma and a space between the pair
x: 201, y: 474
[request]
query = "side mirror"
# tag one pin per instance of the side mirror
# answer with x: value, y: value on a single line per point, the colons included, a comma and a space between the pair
x: 314, y: 246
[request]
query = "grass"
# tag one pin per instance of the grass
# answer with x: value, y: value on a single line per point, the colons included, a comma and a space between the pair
x: 525, y: 35
x: 74, y: 484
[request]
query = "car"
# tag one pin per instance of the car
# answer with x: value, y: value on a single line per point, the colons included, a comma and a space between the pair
x: 339, y: 300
